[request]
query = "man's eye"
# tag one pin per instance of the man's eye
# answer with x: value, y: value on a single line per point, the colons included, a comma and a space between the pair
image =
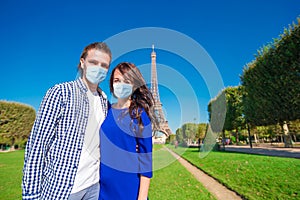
x: 93, y: 63
x: 104, y: 65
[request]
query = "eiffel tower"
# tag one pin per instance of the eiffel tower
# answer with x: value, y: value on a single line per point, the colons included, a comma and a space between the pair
x: 163, y: 125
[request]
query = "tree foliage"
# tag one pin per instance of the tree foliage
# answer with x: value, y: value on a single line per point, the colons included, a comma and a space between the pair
x: 190, y: 132
x: 217, y: 112
x: 270, y: 90
x: 16, y: 121
x: 272, y: 81
x: 234, y: 108
x: 234, y: 118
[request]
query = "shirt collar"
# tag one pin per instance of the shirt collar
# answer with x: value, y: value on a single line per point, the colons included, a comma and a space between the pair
x: 81, y: 85
x: 84, y: 88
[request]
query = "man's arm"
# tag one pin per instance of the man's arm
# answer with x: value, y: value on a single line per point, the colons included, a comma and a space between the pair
x: 38, y: 143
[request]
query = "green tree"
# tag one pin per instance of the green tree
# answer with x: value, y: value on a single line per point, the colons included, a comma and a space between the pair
x: 190, y: 132
x: 272, y: 83
x: 295, y: 129
x: 16, y: 121
x: 201, y: 130
x: 234, y: 119
x: 217, y: 112
x: 179, y: 135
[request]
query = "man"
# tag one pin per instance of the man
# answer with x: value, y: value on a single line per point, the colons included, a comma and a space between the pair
x: 62, y: 153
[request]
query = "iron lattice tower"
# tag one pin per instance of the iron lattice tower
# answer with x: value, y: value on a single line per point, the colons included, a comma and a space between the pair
x: 163, y: 125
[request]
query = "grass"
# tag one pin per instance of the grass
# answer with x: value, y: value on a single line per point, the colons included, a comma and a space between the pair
x: 253, y: 176
x: 11, y: 164
x: 170, y: 181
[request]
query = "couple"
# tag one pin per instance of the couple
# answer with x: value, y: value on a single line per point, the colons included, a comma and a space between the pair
x: 75, y: 122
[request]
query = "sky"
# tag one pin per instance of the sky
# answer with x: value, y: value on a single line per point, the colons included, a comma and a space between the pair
x: 201, y: 46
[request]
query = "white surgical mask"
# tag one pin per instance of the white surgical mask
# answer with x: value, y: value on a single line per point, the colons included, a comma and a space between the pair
x: 95, y: 74
x: 122, y: 90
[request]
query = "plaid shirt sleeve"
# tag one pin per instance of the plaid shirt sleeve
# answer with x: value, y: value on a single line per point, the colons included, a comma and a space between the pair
x: 39, y: 142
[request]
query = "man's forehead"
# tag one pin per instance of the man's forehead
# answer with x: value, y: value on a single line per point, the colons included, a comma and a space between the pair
x: 98, y: 56
x: 94, y: 52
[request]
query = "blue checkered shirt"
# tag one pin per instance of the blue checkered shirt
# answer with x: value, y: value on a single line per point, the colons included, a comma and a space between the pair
x: 53, y: 149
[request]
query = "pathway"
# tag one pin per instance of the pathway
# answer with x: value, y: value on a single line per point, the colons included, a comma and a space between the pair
x: 213, y: 186
x: 269, y: 151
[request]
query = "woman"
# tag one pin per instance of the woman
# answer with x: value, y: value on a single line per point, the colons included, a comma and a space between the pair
x: 126, y: 137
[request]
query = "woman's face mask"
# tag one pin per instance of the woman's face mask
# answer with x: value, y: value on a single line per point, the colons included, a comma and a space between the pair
x: 122, y: 90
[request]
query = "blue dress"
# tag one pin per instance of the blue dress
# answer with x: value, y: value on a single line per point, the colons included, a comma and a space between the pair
x: 121, y: 165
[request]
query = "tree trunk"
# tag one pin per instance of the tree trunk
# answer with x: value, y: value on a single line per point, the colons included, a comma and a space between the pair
x: 294, y: 137
x: 12, y: 148
x: 223, y: 139
x: 281, y: 138
x: 249, y: 135
x: 237, y: 136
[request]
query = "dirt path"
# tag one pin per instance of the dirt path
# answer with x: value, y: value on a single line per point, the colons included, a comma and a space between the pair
x: 213, y: 186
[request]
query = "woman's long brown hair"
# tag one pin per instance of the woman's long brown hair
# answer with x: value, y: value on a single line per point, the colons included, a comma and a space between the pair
x: 141, y: 97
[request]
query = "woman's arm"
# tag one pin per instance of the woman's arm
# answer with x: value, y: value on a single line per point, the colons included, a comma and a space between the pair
x: 144, y: 187
x: 145, y: 158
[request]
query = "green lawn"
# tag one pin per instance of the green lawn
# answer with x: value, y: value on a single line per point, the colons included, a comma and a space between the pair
x: 11, y: 164
x: 170, y: 181
x: 253, y: 176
